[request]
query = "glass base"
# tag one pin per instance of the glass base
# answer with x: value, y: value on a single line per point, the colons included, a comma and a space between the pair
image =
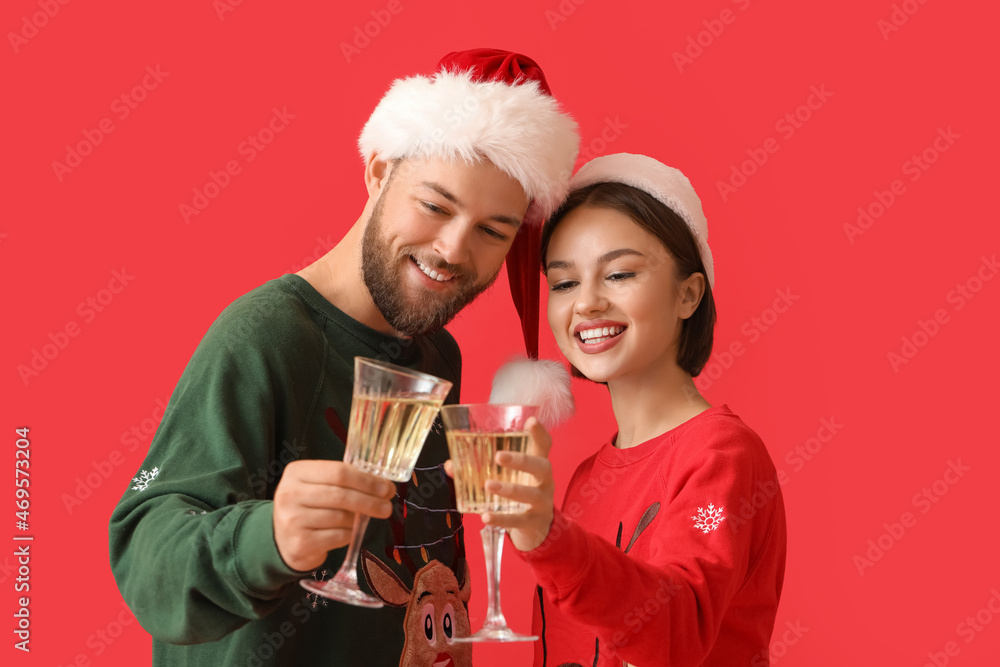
x: 341, y: 592
x: 496, y: 633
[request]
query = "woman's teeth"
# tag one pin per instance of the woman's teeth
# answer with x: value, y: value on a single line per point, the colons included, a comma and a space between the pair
x: 600, y: 334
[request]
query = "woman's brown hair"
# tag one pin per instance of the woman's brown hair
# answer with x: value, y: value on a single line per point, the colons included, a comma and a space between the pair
x: 697, y: 331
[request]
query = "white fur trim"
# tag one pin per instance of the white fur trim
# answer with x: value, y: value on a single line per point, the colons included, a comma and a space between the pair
x: 519, y: 128
x: 540, y: 382
x: 665, y: 183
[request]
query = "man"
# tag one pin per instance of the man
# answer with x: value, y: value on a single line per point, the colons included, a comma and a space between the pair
x: 244, y: 490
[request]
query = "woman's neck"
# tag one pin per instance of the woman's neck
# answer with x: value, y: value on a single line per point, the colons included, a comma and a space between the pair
x: 646, y: 407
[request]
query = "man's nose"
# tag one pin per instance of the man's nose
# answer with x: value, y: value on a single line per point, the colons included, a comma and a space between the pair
x: 452, y: 243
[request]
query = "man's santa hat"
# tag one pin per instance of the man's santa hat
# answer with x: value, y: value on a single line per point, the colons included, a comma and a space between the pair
x: 493, y: 105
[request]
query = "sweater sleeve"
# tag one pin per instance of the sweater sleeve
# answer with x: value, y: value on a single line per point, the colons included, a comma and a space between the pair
x: 666, y: 610
x: 192, y: 541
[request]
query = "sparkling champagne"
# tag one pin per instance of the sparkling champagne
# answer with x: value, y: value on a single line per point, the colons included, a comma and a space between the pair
x: 386, y: 435
x: 473, y: 454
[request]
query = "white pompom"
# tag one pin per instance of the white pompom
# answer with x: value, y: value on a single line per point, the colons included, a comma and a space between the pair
x: 541, y: 382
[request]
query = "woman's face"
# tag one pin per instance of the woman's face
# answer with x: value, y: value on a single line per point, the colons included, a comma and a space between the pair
x: 615, y: 303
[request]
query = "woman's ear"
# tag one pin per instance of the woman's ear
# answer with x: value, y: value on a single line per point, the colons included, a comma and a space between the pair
x: 691, y: 289
x: 376, y: 175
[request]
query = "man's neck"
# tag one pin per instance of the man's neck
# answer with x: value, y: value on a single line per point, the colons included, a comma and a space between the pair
x: 337, y: 277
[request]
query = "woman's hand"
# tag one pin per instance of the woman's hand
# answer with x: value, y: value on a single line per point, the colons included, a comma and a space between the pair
x: 527, y: 529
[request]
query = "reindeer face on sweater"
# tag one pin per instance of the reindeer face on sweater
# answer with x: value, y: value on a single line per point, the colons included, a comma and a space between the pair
x: 435, y: 612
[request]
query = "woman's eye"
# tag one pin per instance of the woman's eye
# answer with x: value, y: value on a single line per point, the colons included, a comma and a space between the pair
x: 563, y: 286
x: 621, y: 275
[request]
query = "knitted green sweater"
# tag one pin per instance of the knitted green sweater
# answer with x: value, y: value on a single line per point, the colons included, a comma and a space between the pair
x: 192, y: 542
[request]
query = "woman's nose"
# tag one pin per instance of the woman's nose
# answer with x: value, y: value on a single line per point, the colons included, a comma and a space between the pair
x: 590, y: 299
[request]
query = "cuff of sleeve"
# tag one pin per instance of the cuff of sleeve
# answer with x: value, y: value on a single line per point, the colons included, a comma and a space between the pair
x: 566, y: 544
x: 257, y: 557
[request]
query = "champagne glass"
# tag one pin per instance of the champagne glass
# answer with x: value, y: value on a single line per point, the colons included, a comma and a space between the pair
x: 392, y: 410
x: 475, y: 434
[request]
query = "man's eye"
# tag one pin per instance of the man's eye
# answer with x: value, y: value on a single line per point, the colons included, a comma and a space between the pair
x: 494, y: 233
x: 432, y: 208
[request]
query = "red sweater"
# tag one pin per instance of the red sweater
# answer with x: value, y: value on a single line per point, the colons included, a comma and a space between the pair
x: 668, y: 553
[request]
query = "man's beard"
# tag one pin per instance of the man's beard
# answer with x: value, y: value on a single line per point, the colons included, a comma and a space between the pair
x: 383, y: 275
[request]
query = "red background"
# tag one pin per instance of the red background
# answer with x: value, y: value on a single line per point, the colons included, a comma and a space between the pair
x: 611, y: 64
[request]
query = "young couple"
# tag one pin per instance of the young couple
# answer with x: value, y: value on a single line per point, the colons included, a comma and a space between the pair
x: 244, y: 490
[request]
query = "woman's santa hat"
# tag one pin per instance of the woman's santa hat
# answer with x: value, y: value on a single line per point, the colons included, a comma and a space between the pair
x: 671, y: 187
x: 493, y: 105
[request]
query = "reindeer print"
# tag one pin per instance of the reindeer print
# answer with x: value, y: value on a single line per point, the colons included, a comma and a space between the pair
x: 644, y: 521
x: 436, y: 611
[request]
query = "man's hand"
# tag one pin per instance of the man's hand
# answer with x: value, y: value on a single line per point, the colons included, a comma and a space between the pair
x: 314, y: 508
x: 527, y: 529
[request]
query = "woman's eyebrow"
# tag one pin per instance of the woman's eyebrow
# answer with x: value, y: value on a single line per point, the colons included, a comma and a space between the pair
x: 603, y: 259
x: 615, y: 254
x: 558, y: 264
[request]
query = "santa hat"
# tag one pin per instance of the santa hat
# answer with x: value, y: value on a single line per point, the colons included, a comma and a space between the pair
x: 666, y: 184
x: 494, y: 105
x: 545, y: 383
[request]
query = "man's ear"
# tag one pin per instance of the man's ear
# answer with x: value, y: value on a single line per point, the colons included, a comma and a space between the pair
x: 376, y: 175
x: 692, y: 289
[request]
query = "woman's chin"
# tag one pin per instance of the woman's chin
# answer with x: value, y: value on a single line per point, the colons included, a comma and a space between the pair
x: 594, y: 372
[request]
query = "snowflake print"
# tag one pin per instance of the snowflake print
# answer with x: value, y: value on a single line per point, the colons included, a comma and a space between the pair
x: 315, y: 599
x: 144, y: 478
x: 708, y: 520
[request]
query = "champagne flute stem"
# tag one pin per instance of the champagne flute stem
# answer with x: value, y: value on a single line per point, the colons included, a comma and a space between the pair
x: 348, y: 572
x: 493, y: 550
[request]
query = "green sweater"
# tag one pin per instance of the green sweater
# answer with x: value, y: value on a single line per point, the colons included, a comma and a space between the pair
x: 192, y: 541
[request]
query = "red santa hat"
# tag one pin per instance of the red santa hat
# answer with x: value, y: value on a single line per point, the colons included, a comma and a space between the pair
x: 493, y: 105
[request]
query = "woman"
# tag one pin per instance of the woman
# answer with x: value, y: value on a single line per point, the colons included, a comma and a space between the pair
x: 669, y: 548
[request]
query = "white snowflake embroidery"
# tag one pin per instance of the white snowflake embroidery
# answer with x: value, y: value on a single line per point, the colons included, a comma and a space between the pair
x: 315, y: 599
x: 708, y: 520
x: 144, y: 478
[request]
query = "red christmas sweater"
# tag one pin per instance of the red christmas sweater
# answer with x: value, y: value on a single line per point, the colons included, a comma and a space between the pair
x: 668, y: 553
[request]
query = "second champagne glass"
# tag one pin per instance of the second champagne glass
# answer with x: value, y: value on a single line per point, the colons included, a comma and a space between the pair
x: 475, y: 434
x: 391, y: 413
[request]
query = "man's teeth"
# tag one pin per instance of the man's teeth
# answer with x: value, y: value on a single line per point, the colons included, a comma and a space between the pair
x: 431, y: 273
x: 600, y: 334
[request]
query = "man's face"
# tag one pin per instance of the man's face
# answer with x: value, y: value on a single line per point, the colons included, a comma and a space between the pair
x: 436, y: 238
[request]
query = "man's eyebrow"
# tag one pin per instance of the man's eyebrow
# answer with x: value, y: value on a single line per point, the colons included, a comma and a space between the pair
x: 441, y: 190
